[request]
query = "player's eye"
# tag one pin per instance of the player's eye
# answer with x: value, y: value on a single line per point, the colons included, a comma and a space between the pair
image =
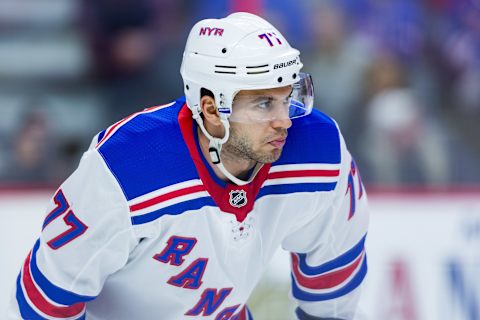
x: 264, y: 105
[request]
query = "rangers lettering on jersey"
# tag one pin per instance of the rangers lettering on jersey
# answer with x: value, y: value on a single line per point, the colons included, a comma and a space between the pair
x: 191, y: 278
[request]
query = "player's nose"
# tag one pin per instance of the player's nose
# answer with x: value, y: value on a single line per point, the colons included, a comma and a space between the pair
x: 284, y: 123
x: 281, y: 119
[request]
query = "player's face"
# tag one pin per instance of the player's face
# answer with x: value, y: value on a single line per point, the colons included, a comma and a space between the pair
x: 261, y: 141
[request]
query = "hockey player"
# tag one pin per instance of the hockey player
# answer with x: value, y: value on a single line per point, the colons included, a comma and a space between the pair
x: 174, y: 212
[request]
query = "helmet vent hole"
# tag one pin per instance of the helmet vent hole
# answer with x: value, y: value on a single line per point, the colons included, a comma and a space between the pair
x: 225, y: 72
x: 225, y: 69
x: 294, y: 76
x: 280, y: 79
x: 224, y: 50
x: 258, y: 72
x: 259, y: 69
x: 187, y: 87
x: 260, y: 66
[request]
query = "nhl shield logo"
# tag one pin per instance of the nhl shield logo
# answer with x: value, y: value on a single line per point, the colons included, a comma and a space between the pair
x: 238, y: 198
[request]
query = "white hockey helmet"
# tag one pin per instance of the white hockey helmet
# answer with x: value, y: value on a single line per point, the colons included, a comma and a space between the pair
x: 239, y: 52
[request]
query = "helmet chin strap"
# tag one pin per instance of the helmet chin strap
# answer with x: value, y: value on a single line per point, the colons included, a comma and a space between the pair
x: 215, y: 148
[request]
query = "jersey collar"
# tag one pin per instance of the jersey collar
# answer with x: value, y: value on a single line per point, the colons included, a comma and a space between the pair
x: 229, y: 197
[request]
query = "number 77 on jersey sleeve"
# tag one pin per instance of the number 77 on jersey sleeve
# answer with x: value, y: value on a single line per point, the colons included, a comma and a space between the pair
x: 351, y: 187
x: 75, y: 226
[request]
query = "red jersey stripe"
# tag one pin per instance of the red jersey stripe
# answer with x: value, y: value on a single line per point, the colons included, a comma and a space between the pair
x: 112, y: 128
x: 325, y: 281
x: 118, y: 123
x: 303, y: 173
x: 165, y: 197
x: 43, y: 304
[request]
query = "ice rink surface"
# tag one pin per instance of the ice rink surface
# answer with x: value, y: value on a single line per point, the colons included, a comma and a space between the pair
x: 22, y: 214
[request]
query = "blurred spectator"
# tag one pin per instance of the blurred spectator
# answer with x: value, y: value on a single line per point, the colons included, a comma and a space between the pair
x: 134, y: 51
x: 292, y: 18
x: 422, y: 97
x: 337, y: 61
x: 398, y: 25
x: 462, y: 54
x: 30, y: 159
x: 401, y: 143
x: 67, y: 157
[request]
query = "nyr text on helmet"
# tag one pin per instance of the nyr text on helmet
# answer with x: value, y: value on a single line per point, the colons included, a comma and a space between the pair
x: 207, y: 31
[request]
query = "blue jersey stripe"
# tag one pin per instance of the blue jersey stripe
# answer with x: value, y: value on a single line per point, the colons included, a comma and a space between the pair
x: 338, y: 262
x: 101, y: 135
x: 55, y: 293
x: 297, y: 187
x: 196, y: 204
x: 350, y: 286
x: 175, y: 209
x: 25, y: 310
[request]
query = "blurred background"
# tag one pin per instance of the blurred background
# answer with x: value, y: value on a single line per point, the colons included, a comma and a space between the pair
x: 401, y: 77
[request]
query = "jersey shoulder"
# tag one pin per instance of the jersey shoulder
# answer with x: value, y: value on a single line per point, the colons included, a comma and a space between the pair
x: 312, y: 139
x: 146, y: 151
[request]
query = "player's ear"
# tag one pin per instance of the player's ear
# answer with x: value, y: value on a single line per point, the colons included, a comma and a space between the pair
x: 209, y: 111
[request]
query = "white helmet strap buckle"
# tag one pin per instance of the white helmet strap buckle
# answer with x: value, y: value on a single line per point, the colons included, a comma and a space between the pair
x: 214, y: 155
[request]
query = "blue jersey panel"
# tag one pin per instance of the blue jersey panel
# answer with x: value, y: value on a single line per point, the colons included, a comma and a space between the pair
x: 148, y: 152
x: 312, y: 139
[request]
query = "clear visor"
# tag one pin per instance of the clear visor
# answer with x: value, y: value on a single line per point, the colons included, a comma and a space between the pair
x: 283, y: 103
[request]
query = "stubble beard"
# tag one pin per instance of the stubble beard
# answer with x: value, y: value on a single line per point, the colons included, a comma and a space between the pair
x: 240, y: 147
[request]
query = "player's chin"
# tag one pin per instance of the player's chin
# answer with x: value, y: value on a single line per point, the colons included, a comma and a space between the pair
x: 270, y: 156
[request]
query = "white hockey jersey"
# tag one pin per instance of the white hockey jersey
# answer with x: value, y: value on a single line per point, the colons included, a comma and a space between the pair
x: 143, y: 229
